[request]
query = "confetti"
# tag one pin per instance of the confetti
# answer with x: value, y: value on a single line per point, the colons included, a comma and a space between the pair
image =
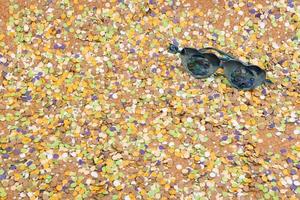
x: 93, y: 106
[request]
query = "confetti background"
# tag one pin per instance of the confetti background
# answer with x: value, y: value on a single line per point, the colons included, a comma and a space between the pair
x: 94, y: 107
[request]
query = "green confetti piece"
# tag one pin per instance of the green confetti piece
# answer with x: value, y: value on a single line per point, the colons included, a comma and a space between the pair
x: 109, y: 64
x: 197, y: 197
x: 235, y: 184
x: 32, y: 167
x: 267, y: 196
x: 174, y: 133
x: 298, y: 34
x: 2, y: 192
x: 73, y: 185
x: 154, y: 190
x: 79, y: 198
x: 204, y: 139
x: 178, y: 29
x: 115, y: 197
x: 165, y: 23
x: 1, y: 171
x: 269, y: 135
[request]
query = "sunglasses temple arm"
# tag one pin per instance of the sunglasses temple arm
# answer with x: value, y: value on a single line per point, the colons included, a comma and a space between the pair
x: 268, y: 81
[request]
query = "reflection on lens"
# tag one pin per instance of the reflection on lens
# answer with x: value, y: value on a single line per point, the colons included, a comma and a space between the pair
x: 199, y: 67
x: 242, y: 78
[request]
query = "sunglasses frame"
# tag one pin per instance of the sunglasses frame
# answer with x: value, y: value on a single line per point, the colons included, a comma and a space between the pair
x: 229, y: 63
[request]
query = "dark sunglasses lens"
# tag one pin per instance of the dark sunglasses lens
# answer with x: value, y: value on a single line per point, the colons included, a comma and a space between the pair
x: 199, y: 66
x: 243, y: 78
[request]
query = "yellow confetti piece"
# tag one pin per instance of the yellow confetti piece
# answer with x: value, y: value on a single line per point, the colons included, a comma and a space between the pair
x: 252, y: 121
x: 172, y: 192
x: 197, y: 158
x: 191, y: 176
x: 244, y: 107
x: 58, y: 187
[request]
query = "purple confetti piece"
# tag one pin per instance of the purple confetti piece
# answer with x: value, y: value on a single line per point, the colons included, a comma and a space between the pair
x: 3, y: 176
x: 224, y: 138
x: 181, y: 86
x: 230, y: 157
x: 142, y: 151
x: 293, y: 172
x: 55, y: 156
x: 13, y: 167
x: 8, y: 149
x: 252, y: 11
x: 175, y: 42
x: 5, y: 156
x: 216, y: 95
x: 289, y: 160
x: 31, y: 150
x: 153, y: 70
x: 258, y: 15
x: 285, y: 71
x: 272, y: 125
x: 151, y: 1
x: 62, y: 46
x: 152, y: 14
x: 112, y: 128
x: 283, y: 151
x: 290, y: 3
x: 267, y: 172
x: 56, y: 46
x: 290, y: 138
x: 29, y: 163
x: 293, y: 187
x: 237, y: 137
x: 87, y: 132
x: 221, y: 114
x: 176, y: 21
x: 215, y: 35
x: 16, y: 152
x: 265, y: 112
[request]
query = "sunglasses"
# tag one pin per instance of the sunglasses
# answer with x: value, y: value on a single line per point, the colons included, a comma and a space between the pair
x: 202, y: 63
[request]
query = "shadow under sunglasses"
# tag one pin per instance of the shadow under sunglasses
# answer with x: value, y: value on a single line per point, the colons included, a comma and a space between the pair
x: 201, y: 63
